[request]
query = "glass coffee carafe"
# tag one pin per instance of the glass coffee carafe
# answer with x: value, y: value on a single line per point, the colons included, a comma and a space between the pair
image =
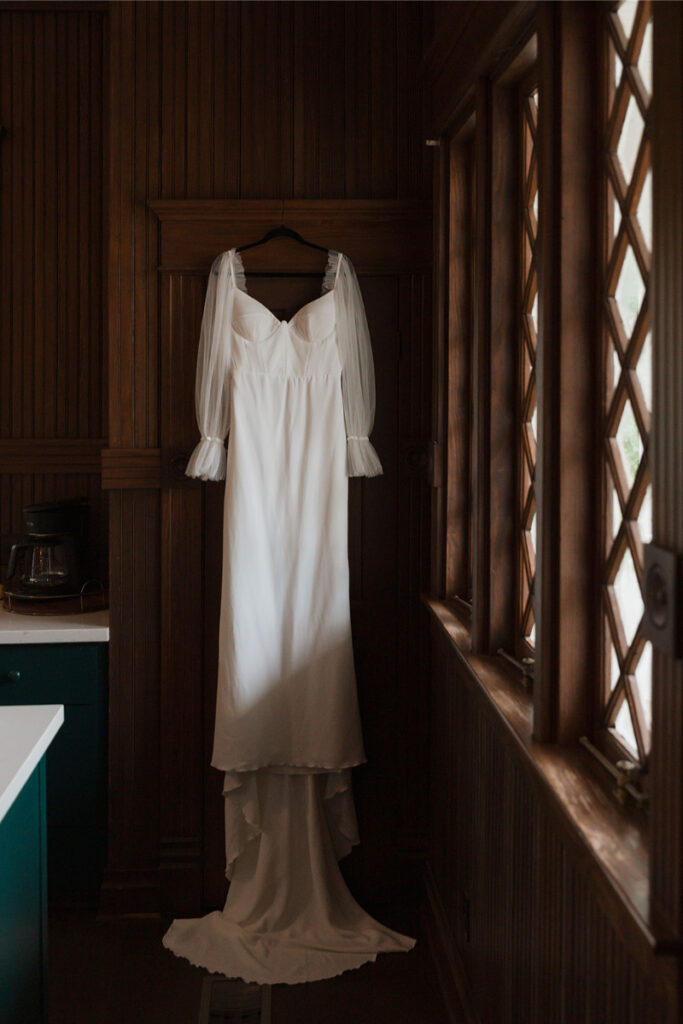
x: 50, y: 558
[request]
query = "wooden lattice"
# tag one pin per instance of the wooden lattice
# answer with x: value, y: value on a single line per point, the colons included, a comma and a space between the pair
x: 627, y: 374
x: 527, y: 370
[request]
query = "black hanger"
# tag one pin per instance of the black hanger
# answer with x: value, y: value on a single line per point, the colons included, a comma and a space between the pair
x: 281, y: 232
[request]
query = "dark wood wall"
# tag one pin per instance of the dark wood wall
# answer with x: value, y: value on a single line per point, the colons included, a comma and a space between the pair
x: 53, y: 414
x: 235, y: 102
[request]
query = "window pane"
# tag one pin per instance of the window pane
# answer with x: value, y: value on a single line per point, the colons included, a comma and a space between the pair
x: 645, y: 210
x: 626, y: 12
x: 630, y: 443
x: 630, y: 292
x: 645, y: 62
x: 629, y: 598
x: 629, y: 139
x: 624, y: 727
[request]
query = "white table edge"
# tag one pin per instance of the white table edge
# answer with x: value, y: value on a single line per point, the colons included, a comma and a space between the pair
x: 91, y: 627
x: 50, y: 719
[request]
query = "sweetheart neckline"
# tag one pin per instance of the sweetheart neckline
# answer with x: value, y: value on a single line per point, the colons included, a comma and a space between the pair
x: 237, y: 258
x: 277, y: 319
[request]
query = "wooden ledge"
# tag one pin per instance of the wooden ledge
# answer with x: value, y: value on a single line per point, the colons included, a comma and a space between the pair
x: 381, y: 236
x: 609, y: 842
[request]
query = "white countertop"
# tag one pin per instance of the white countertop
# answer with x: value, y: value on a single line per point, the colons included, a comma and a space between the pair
x: 26, y: 732
x: 92, y: 627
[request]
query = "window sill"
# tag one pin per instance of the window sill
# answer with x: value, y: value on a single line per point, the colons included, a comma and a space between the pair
x: 609, y: 840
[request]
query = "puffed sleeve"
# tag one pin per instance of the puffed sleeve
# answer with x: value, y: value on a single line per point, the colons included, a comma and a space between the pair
x: 358, y: 372
x: 212, y: 383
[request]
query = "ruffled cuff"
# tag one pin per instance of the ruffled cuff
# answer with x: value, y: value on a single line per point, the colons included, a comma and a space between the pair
x: 361, y: 458
x: 208, y: 460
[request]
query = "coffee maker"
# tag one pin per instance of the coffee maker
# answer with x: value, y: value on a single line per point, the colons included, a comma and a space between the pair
x: 52, y: 556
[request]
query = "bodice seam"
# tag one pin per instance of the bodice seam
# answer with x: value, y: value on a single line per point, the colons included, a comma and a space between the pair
x: 272, y: 334
x: 287, y: 376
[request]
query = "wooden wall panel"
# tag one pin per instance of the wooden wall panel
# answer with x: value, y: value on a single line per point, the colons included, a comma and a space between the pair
x: 51, y: 212
x: 53, y: 409
x: 509, y: 901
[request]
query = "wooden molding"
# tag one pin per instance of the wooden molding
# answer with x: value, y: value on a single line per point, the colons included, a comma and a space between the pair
x: 380, y: 235
x: 51, y: 455
x: 126, y: 468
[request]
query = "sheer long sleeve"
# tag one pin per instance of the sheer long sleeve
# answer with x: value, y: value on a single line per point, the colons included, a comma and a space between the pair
x: 212, y: 385
x: 358, y: 373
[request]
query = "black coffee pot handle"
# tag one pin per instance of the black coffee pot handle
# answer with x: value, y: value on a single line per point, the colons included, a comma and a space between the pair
x: 12, y: 562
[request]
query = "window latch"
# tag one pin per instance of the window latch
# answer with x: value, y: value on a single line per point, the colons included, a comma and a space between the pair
x: 663, y: 615
x: 628, y: 773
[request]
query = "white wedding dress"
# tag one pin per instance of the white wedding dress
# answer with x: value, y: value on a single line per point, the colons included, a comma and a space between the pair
x: 297, y: 398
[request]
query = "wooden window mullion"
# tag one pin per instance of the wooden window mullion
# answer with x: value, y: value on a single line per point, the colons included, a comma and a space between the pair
x: 495, y: 369
x: 481, y: 376
x: 441, y: 343
x: 460, y: 340
x: 527, y: 340
x: 567, y: 592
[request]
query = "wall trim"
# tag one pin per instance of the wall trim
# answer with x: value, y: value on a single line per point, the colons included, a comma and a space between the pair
x: 51, y: 455
x: 381, y: 236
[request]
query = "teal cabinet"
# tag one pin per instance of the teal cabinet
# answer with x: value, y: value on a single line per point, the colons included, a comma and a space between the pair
x: 75, y: 675
x: 23, y: 905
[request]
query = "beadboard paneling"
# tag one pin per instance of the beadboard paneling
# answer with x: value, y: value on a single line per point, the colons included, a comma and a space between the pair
x: 510, y: 901
x: 53, y: 410
x: 51, y: 211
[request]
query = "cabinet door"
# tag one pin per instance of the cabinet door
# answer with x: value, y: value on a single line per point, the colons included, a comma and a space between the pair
x: 23, y: 917
x: 51, y: 673
x: 76, y: 762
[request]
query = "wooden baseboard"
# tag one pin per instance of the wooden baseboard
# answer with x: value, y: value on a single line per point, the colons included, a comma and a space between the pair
x: 449, y: 968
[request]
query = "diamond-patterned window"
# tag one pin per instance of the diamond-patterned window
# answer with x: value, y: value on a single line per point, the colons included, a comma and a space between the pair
x: 528, y: 332
x: 627, y: 366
